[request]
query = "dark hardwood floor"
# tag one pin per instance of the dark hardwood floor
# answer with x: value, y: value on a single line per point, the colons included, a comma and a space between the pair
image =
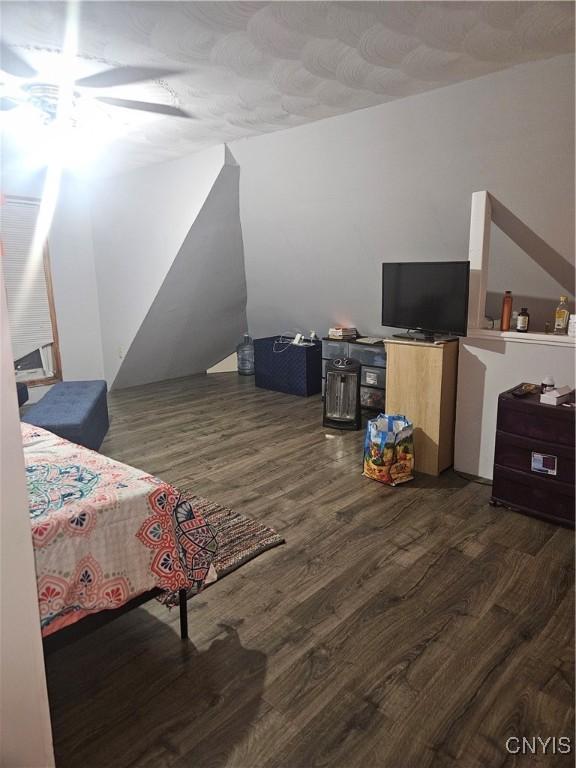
x: 403, y: 627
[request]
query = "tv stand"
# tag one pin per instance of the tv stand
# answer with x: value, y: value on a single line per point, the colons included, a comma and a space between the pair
x: 421, y: 383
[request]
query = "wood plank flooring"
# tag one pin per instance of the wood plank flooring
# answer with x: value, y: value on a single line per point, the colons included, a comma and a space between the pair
x: 409, y: 627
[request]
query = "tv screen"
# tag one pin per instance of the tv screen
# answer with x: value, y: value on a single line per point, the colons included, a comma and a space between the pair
x: 430, y: 296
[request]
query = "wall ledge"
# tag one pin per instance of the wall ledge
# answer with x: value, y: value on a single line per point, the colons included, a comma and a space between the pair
x: 548, y: 339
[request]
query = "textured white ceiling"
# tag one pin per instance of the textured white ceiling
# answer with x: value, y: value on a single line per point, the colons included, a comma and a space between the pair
x: 255, y: 67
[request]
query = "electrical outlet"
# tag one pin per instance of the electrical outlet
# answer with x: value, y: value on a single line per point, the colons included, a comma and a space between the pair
x: 121, y: 353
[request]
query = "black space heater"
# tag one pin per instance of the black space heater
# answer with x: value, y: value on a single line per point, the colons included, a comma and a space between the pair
x: 342, y: 394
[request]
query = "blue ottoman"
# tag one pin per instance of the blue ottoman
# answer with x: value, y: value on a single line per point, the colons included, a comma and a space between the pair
x: 75, y: 410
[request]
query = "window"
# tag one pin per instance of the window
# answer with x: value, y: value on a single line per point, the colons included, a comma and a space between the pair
x: 29, y: 295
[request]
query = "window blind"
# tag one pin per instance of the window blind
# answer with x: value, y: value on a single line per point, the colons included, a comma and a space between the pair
x: 25, y: 278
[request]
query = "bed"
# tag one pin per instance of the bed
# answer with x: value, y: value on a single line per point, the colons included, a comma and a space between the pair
x: 107, y: 535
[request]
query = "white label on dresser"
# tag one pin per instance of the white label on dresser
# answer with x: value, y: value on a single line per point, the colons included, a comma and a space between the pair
x: 371, y: 378
x: 544, y: 463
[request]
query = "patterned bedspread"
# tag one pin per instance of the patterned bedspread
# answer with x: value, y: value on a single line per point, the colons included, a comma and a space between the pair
x: 105, y: 532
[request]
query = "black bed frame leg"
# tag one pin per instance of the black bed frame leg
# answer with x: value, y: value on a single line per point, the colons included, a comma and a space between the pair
x: 183, y: 602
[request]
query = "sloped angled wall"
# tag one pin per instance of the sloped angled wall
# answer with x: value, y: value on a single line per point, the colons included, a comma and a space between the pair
x: 140, y: 220
x: 199, y: 312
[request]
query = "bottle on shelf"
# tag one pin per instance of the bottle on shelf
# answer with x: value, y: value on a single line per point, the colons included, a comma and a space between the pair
x: 245, y: 354
x: 523, y: 321
x: 506, y: 315
x: 561, y: 317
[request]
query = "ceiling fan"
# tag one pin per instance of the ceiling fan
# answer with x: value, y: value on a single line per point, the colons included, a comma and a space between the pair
x: 44, y: 95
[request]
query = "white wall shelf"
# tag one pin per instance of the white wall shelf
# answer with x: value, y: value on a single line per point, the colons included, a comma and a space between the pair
x: 523, y: 338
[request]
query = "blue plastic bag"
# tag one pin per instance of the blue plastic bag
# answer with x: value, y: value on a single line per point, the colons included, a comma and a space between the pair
x: 389, y: 449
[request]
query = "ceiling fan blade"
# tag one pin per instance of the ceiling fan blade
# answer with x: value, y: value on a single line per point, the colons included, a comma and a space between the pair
x: 6, y: 103
x: 125, y: 76
x: 145, y: 106
x: 14, y: 64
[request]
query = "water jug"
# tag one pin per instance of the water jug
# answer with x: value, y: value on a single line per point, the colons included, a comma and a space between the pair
x: 245, y: 353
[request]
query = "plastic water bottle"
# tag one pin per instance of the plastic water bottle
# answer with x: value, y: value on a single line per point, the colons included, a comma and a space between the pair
x: 245, y: 353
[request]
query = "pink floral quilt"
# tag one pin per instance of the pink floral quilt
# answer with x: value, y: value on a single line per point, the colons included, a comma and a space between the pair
x: 105, y: 532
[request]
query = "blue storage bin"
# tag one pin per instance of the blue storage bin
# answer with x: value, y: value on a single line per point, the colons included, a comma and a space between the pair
x: 283, y: 367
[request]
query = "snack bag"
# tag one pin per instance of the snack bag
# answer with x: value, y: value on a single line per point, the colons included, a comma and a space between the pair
x: 389, y: 449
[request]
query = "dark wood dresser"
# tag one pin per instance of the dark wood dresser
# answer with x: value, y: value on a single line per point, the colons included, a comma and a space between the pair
x: 534, y: 458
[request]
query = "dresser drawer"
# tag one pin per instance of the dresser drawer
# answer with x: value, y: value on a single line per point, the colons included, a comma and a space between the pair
x: 368, y: 354
x: 334, y: 349
x: 373, y: 377
x: 529, y: 418
x: 547, y: 460
x: 540, y: 496
x: 372, y: 398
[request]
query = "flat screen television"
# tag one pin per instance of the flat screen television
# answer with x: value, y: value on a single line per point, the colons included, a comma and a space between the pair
x: 428, y: 297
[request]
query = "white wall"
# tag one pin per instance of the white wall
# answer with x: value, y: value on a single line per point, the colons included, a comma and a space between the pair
x: 199, y: 313
x: 487, y: 367
x: 25, y: 734
x: 73, y: 271
x: 74, y: 278
x: 323, y: 205
x: 112, y: 244
x: 140, y: 221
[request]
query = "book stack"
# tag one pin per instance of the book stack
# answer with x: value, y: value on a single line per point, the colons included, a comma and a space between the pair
x: 341, y: 333
x: 556, y: 396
